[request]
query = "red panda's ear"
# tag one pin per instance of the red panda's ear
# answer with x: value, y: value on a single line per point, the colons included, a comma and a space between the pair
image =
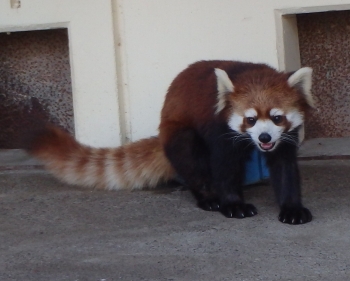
x: 302, y: 80
x: 224, y: 87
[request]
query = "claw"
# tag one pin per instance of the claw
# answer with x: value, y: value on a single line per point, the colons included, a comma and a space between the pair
x: 209, y: 205
x: 238, y: 210
x: 295, y: 215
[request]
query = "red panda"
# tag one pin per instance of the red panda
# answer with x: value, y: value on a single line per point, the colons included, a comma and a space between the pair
x: 214, y: 114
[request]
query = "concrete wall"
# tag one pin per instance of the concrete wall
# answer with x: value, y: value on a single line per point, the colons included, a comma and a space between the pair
x: 92, y: 59
x: 152, y: 40
x: 159, y: 38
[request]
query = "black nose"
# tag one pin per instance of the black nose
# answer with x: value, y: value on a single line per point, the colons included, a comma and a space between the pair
x: 264, y: 138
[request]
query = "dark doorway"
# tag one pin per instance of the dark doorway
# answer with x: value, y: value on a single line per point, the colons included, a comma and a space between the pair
x: 324, y: 41
x: 35, y: 82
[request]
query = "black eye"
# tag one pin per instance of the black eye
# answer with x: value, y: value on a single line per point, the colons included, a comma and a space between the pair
x: 277, y: 119
x: 251, y: 121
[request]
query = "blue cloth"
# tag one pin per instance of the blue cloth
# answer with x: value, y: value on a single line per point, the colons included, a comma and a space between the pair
x: 256, y: 168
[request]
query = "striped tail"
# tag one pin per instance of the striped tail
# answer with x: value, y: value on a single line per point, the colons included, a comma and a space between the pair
x: 133, y: 166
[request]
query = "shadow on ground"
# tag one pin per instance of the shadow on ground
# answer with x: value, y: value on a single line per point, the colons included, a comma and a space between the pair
x: 52, y: 231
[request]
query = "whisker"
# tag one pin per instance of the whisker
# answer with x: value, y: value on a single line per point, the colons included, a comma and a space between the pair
x: 227, y: 134
x: 250, y: 143
x: 237, y: 137
x: 290, y: 139
x: 241, y: 138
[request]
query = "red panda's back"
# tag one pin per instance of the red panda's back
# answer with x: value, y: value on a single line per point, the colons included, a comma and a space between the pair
x: 192, y: 96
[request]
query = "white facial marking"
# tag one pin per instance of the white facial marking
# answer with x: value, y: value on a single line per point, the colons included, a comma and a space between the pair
x: 303, y: 78
x: 251, y: 112
x: 235, y: 122
x: 295, y: 118
x: 265, y: 126
x: 224, y: 86
x: 276, y: 112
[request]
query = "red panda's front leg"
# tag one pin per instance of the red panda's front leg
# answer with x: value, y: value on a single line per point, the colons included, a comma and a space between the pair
x: 209, y: 167
x: 228, y: 170
x: 285, y: 180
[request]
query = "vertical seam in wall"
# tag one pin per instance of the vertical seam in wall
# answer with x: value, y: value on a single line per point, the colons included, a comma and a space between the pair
x: 287, y: 41
x: 72, y: 77
x: 122, y: 73
x: 279, y: 40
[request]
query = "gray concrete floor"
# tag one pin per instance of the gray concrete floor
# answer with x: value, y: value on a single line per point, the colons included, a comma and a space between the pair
x: 325, y: 148
x: 52, y: 231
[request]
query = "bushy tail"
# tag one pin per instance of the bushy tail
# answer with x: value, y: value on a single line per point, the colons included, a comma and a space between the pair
x: 132, y: 166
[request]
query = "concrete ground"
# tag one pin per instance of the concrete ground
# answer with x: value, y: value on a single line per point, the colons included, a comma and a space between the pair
x: 52, y: 231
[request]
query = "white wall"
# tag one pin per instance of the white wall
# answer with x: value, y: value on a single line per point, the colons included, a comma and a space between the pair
x: 92, y: 59
x: 158, y: 38
x: 145, y: 43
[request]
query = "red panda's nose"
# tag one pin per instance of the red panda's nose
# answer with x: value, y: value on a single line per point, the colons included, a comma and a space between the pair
x: 264, y: 138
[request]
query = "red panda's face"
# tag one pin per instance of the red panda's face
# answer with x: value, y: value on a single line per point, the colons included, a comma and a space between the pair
x: 266, y: 105
x: 267, y: 128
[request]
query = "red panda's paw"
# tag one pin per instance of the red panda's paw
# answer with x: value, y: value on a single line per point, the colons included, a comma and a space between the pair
x: 238, y: 210
x: 295, y: 215
x: 209, y: 204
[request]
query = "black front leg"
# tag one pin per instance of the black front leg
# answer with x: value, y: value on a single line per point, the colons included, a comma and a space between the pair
x: 228, y: 154
x: 285, y: 179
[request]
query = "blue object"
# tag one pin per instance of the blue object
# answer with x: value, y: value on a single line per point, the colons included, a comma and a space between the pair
x: 256, y: 168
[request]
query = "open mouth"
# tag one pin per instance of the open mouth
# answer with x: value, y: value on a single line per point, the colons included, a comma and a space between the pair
x: 267, y: 146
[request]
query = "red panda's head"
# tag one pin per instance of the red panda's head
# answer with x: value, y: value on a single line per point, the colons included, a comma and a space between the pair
x: 264, y: 103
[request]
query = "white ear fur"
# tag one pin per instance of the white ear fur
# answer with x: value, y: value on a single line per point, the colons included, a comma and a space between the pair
x: 303, y: 78
x: 224, y: 86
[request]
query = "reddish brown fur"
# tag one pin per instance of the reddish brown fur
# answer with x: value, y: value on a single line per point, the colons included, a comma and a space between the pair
x: 198, y: 108
x: 135, y: 165
x: 83, y: 161
x: 255, y: 86
x: 144, y: 163
x: 266, y: 87
x: 52, y: 141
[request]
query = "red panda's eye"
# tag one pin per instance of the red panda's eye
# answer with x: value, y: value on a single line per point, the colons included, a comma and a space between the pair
x: 277, y: 119
x: 251, y: 121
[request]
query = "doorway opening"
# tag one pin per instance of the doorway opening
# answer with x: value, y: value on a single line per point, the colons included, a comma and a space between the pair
x: 35, y: 83
x: 324, y: 43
